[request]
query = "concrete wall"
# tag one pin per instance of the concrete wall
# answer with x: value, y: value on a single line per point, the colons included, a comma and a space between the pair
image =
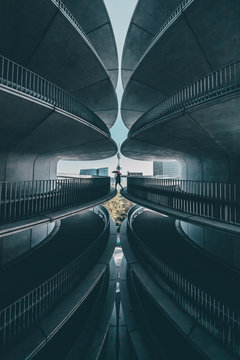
x: 212, y: 168
x: 224, y: 246
x: 26, y: 166
x: 19, y: 244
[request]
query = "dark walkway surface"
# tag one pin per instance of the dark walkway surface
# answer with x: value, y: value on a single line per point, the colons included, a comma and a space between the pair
x: 159, y: 234
x: 76, y: 233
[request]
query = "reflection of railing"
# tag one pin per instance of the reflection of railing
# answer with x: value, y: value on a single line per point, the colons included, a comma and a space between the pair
x: 21, y: 79
x: 217, y: 318
x: 214, y: 200
x: 221, y: 82
x: 22, y: 199
x: 18, y: 317
x: 82, y: 342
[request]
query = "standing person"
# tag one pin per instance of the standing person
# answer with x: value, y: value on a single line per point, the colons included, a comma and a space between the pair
x: 118, y: 180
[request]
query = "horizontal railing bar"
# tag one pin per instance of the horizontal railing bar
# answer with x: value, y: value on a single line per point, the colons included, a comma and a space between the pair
x: 21, y: 79
x: 218, y: 83
x: 23, y: 199
x: 215, y: 200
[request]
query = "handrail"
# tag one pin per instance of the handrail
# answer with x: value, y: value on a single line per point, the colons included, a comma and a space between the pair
x: 23, y: 199
x: 223, y: 81
x: 217, y: 318
x: 19, y: 78
x: 215, y: 200
x: 18, y: 317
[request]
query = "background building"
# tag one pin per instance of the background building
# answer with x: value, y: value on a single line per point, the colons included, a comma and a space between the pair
x: 169, y: 169
x: 95, y: 172
x: 130, y: 173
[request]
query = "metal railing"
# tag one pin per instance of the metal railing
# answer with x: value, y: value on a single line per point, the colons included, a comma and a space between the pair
x: 19, y: 78
x: 23, y: 199
x: 17, y: 318
x: 218, y: 83
x: 217, y: 318
x: 214, y: 200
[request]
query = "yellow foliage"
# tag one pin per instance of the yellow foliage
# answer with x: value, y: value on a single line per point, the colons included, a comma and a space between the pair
x: 118, y: 208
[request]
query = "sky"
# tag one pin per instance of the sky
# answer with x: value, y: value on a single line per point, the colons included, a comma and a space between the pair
x: 120, y: 12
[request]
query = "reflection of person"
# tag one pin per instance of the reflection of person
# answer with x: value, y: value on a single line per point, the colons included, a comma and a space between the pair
x: 118, y: 181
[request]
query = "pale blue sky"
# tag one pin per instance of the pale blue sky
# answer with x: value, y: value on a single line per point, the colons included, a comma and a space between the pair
x: 120, y: 12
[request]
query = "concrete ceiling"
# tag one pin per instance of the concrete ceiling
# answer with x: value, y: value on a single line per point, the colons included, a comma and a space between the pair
x: 95, y: 22
x: 30, y: 126
x: 205, y: 37
x: 49, y: 45
x: 208, y: 132
x: 146, y: 21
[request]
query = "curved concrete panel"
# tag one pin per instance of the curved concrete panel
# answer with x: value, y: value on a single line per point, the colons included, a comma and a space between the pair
x: 197, y: 42
x: 95, y: 22
x: 208, y: 132
x: 146, y: 21
x: 57, y: 49
x: 42, y: 131
x: 190, y: 166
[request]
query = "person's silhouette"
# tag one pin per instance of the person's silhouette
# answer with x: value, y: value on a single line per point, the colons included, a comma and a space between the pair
x: 118, y: 180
